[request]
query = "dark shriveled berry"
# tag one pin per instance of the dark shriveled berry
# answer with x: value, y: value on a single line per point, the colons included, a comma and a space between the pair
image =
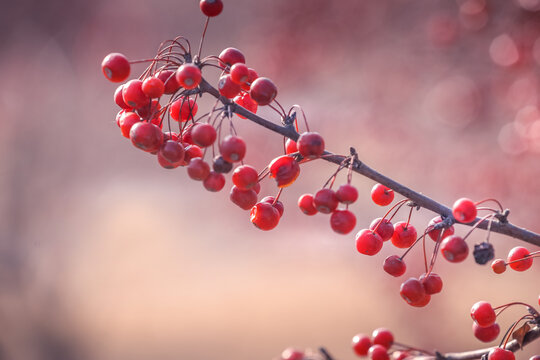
x: 483, y: 253
x: 220, y: 165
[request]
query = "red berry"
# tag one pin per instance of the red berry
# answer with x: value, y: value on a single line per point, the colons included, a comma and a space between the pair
x: 400, y: 355
x: 153, y: 87
x: 133, y: 95
x: 172, y: 151
x: 263, y: 91
x: 166, y: 163
x: 183, y: 109
x: 292, y: 354
x: 482, y: 312
x: 454, y: 249
x: 501, y: 354
x: 434, y: 234
x: 310, y: 145
x: 126, y: 121
x: 227, y: 87
x: 522, y: 254
x: 276, y: 204
x: 412, y: 291
x: 290, y: 146
x: 169, y: 81
x: 188, y: 76
x: 116, y: 67
x: 378, y: 352
x: 285, y: 170
x: 245, y: 101
x: 383, y: 337
x: 381, y: 195
x: 422, y: 302
x: 498, y: 266
x: 119, y: 99
x: 464, y: 210
x: 325, y: 201
x: 368, y: 242
x: 342, y: 221
x: 211, y: 8
x: 432, y: 283
x: 231, y: 56
x: 361, y: 344
x: 214, y: 181
x: 404, y: 235
x: 192, y: 151
x: 244, y: 198
x: 239, y: 73
x: 198, y: 169
x: 347, y: 194
x: 170, y: 136
x: 150, y: 111
x: 264, y: 216
x: 394, y: 266
x: 245, y: 177
x: 203, y: 134
x: 232, y: 148
x: 220, y: 165
x: 385, y: 229
x: 487, y: 333
x: 251, y: 78
x: 146, y: 136
x: 305, y: 203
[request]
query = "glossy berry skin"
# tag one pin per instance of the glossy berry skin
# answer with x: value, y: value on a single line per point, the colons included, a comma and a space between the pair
x: 278, y: 205
x: 188, y: 76
x: 119, y: 99
x: 232, y: 148
x: 251, y: 78
x: 285, y: 170
x: 433, y: 283
x: 385, y: 229
x: 483, y: 314
x: 133, y: 95
x: 146, y: 136
x: 292, y: 354
x: 464, y: 210
x: 498, y: 266
x: 245, y: 101
x: 245, y: 177
x: 227, y: 87
x: 211, y: 8
x: 116, y: 67
x: 342, y: 221
x: 412, y: 291
x: 404, y: 235
x: 501, y: 354
x: 183, y: 109
x: 198, y: 169
x: 166, y: 164
x: 381, y: 195
x: 383, y: 337
x: 517, y: 253
x: 239, y: 73
x: 263, y: 91
x: 172, y: 151
x: 394, y: 266
x: 486, y: 334
x: 422, y: 302
x: 347, y: 194
x: 368, y: 242
x: 203, y: 134
x: 214, y: 181
x: 192, y: 151
x: 361, y: 344
x: 454, y: 249
x: 325, y: 201
x: 169, y: 81
x: 245, y: 199
x: 434, y: 234
x: 305, y: 203
x: 150, y: 111
x: 290, y: 147
x: 126, y: 121
x: 231, y: 56
x: 310, y: 145
x: 378, y: 352
x: 153, y: 87
x: 264, y: 216
x: 220, y: 165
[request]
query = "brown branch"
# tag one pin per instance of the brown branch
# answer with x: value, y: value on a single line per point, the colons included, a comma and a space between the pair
x: 359, y: 167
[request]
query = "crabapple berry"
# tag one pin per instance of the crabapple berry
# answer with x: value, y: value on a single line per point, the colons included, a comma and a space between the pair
x: 434, y: 233
x: 385, y: 229
x: 183, y: 109
x: 214, y: 181
x: 325, y: 201
x: 368, y: 242
x: 342, y: 221
x: 290, y: 146
x: 310, y: 145
x: 422, y: 302
x: 404, y: 235
x: 381, y: 195
x: 498, y: 266
x: 126, y: 121
x: 133, y: 94
x: 146, y: 136
x: 263, y: 91
x: 305, y: 203
x: 244, y: 198
x: 412, y: 291
x: 188, y: 76
x: 119, y: 99
x: 347, y: 194
x: 211, y: 8
x: 169, y: 81
x: 227, y: 87
x: 432, y: 283
x: 378, y: 352
x: 361, y: 344
x: 239, y: 73
x: 277, y: 204
x: 284, y: 169
x: 251, y: 78
x: 486, y: 333
x: 153, y: 87
x: 519, y: 259
x: 464, y: 210
x: 292, y: 354
x: 232, y: 148
x: 454, y: 249
x: 245, y: 101
x: 501, y: 354
x: 172, y: 151
x: 203, y: 134
x: 394, y: 265
x: 192, y: 151
x: 264, y: 216
x: 383, y: 337
x: 198, y: 169
x: 482, y: 312
x: 231, y: 56
x: 245, y: 177
x: 116, y: 67
x: 220, y: 165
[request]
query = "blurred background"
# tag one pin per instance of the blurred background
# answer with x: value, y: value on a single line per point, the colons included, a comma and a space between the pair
x: 106, y: 255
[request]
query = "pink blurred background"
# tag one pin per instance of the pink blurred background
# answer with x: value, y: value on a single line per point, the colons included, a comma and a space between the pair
x: 104, y: 254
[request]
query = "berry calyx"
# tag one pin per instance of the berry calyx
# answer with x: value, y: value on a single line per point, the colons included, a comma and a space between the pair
x: 347, y: 194
x: 342, y: 221
x: 361, y: 344
x: 394, y: 265
x: 310, y: 145
x: 404, y: 235
x: 305, y: 203
x: 263, y: 91
x: 454, y: 249
x: 519, y: 259
x: 211, y: 8
x: 264, y: 216
x: 189, y: 76
x: 285, y: 170
x: 232, y: 148
x: 486, y: 333
x: 381, y: 195
x: 464, y: 210
x: 116, y: 67
x: 483, y: 314
x: 368, y: 242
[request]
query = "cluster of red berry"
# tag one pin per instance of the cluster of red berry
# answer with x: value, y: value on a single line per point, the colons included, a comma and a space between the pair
x: 381, y: 345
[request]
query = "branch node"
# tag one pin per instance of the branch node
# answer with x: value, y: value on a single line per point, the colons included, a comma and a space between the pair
x: 503, y: 217
x: 289, y: 120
